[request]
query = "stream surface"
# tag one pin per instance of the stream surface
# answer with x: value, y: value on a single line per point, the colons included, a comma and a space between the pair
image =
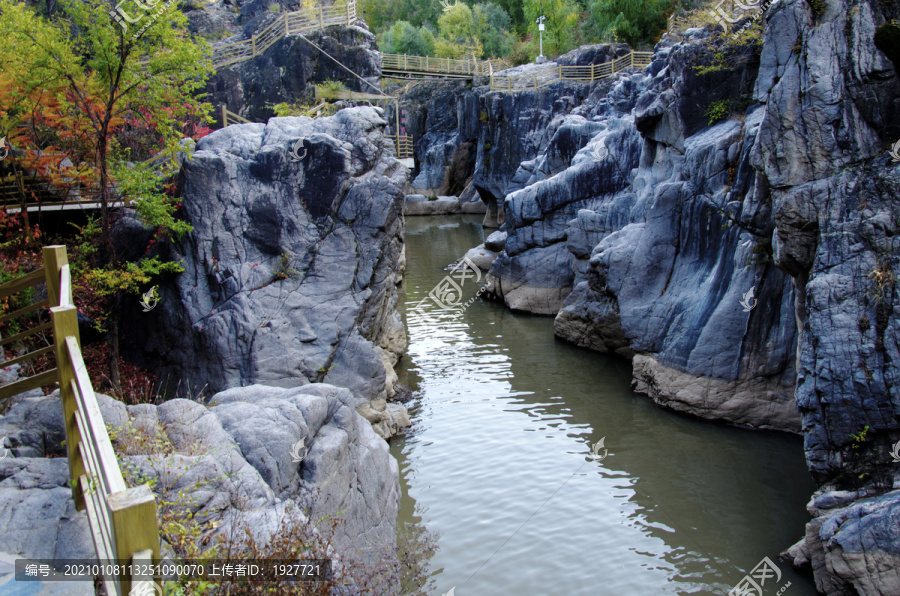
x: 497, y: 460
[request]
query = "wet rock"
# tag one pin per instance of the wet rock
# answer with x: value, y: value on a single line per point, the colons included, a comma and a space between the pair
x: 387, y: 419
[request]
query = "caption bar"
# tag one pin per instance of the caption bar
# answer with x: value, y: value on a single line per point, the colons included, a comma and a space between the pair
x: 256, y: 570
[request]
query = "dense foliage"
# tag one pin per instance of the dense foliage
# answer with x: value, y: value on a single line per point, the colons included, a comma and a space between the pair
x: 82, y: 96
x: 507, y: 28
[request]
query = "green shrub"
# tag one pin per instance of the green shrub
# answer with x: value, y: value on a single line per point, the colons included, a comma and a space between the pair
x: 403, y: 38
x: 718, y: 110
x: 636, y: 22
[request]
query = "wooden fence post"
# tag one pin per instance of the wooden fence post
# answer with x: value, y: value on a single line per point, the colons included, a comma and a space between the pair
x: 253, y: 46
x: 134, y: 525
x: 54, y: 257
x: 65, y: 323
x: 224, y: 116
x: 321, y: 19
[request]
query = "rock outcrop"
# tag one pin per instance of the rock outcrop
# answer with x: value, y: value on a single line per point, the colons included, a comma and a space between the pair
x: 291, y: 269
x: 438, y: 205
x: 242, y: 459
x: 728, y: 220
x: 288, y: 71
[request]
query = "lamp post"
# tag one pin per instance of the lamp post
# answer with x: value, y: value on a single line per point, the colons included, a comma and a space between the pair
x: 540, y: 23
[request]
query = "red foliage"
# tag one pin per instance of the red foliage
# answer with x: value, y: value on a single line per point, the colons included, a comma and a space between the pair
x: 137, y: 384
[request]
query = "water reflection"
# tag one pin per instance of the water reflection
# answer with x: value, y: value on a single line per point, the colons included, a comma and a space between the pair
x: 499, y: 457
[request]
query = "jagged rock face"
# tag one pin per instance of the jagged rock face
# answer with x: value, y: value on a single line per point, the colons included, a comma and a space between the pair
x: 433, y: 120
x: 237, y: 463
x: 796, y: 200
x: 291, y: 269
x: 288, y: 71
x: 837, y: 211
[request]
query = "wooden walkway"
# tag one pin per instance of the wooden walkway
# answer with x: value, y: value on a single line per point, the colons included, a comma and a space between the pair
x: 555, y: 73
x: 311, y: 19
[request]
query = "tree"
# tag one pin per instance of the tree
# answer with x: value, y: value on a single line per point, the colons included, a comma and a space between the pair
x: 403, y: 38
x: 492, y: 28
x: 636, y: 22
x: 82, y: 78
x: 458, y: 35
x: 561, y: 24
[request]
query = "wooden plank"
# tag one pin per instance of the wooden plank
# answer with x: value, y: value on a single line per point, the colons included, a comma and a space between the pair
x: 25, y: 334
x: 27, y: 384
x: 135, y: 525
x: 65, y: 326
x: 65, y: 286
x: 22, y: 283
x: 95, y: 522
x: 95, y: 497
x: 90, y: 411
x: 18, y: 313
x: 28, y: 356
x: 141, y: 584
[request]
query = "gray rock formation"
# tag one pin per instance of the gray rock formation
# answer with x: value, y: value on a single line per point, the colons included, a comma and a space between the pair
x: 440, y: 205
x: 747, y: 267
x: 291, y: 269
x: 244, y: 458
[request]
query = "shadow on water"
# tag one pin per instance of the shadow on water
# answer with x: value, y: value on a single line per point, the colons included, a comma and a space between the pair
x: 498, y: 460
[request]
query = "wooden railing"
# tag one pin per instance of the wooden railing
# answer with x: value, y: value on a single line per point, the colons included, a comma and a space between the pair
x: 465, y: 67
x: 403, y: 145
x: 555, y: 73
x: 14, y: 286
x: 122, y: 520
x: 304, y: 20
x: 18, y: 190
x: 289, y: 23
x: 229, y: 117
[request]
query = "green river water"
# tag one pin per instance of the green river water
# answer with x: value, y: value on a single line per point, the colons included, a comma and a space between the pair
x: 497, y: 461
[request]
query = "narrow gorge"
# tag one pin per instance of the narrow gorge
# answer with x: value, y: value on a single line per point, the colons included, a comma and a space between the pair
x: 631, y: 335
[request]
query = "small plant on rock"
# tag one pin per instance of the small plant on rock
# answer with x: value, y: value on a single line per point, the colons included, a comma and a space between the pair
x: 883, y: 279
x: 859, y: 438
x: 284, y: 270
x: 718, y: 110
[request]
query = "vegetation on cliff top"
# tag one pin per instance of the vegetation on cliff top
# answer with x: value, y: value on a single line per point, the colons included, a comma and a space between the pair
x: 506, y: 28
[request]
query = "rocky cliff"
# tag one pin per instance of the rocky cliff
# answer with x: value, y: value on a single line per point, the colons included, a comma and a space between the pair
x: 288, y: 71
x: 291, y: 269
x: 727, y: 219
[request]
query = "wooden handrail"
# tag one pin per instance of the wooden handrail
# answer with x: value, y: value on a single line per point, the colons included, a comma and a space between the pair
x: 122, y: 520
x: 553, y: 74
x: 290, y: 23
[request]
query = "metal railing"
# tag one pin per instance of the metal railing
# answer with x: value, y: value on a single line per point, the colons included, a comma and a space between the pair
x: 556, y: 73
x: 289, y: 23
x: 122, y: 520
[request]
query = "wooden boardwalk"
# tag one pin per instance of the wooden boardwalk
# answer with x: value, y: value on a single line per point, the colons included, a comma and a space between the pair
x: 312, y: 19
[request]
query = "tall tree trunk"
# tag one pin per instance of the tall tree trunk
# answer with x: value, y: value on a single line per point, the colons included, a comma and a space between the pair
x: 104, y: 194
x: 110, y: 255
x: 114, y: 378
